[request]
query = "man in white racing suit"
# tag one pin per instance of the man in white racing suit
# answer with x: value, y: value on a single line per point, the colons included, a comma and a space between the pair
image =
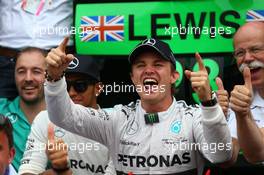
x: 85, y: 156
x: 157, y: 134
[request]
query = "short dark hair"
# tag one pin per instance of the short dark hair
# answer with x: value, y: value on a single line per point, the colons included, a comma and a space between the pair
x: 31, y: 49
x: 7, y: 128
x: 148, y: 50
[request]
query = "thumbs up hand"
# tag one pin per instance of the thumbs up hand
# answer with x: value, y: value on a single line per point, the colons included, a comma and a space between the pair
x: 57, y: 61
x: 222, y: 96
x: 200, y: 81
x: 56, y: 151
x: 241, y: 96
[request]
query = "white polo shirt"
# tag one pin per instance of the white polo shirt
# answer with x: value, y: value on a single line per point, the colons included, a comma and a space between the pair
x: 20, y: 28
x: 257, y: 110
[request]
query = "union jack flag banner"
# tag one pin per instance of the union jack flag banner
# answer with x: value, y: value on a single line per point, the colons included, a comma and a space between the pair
x: 255, y: 15
x: 102, y: 28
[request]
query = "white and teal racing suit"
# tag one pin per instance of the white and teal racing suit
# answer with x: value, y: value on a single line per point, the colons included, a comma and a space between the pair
x: 178, y: 144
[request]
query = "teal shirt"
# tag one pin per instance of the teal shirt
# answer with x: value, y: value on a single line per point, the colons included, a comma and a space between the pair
x: 21, y: 126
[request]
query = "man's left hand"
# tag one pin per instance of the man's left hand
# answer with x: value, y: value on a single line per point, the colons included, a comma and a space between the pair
x: 199, y: 80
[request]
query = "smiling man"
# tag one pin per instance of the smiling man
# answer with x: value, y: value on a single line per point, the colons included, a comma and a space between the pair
x: 247, y: 101
x: 29, y: 78
x: 157, y: 134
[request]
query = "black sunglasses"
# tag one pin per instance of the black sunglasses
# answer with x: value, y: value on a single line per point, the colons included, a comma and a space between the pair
x: 79, y: 85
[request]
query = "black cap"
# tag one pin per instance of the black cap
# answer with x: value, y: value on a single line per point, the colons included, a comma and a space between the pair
x: 85, y: 65
x: 161, y: 47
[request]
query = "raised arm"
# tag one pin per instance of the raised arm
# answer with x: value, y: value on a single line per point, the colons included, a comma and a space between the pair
x: 88, y: 122
x: 247, y: 130
x: 210, y: 127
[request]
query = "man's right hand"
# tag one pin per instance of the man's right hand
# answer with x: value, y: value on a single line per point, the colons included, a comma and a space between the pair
x: 56, y: 150
x: 57, y: 61
x: 241, y: 96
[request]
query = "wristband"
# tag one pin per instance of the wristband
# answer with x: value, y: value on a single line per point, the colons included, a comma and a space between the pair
x: 211, y: 102
x: 50, y: 79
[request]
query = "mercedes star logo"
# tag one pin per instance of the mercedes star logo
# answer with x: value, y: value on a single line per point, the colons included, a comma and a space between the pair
x: 150, y: 42
x: 74, y: 63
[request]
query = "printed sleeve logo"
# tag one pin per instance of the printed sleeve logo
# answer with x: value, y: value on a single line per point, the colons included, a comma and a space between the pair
x: 12, y: 117
x: 59, y: 133
x: 176, y: 127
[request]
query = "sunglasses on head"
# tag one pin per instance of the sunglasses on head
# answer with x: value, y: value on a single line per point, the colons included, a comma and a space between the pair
x: 79, y: 85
